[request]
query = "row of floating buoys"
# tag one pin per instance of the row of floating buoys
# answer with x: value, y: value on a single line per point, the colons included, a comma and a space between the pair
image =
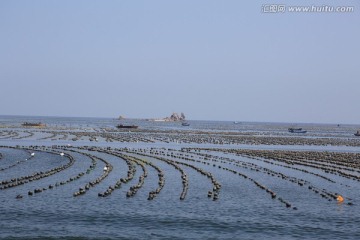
x: 30, y: 134
x: 273, y: 194
x: 184, y: 177
x: 130, y: 173
x: 336, y: 168
x: 341, y: 161
x: 71, y: 179
x: 322, y: 192
x: 167, y: 156
x: 107, y: 169
x: 216, y: 185
x: 209, y: 157
x: 17, y: 162
x: 9, y: 134
x: 161, y: 182
x: 14, y: 182
x: 133, y: 190
x: 188, y: 136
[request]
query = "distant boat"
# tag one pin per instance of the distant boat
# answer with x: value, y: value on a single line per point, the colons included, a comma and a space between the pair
x: 236, y: 122
x: 156, y: 120
x: 185, y: 124
x: 297, y: 130
x: 126, y: 126
x: 28, y: 124
x: 357, y: 133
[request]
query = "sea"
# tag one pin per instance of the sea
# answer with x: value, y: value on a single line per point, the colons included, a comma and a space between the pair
x: 242, y: 211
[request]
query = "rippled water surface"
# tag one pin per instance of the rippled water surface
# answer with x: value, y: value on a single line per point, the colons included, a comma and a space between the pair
x: 242, y: 211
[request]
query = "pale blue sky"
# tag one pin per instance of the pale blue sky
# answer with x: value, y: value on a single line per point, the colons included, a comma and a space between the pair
x: 212, y: 60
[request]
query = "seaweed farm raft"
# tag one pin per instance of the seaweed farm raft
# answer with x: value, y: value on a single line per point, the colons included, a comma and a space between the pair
x: 164, y: 180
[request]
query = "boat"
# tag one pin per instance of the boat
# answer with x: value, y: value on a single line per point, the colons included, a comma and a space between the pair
x: 29, y: 124
x: 126, y: 126
x: 158, y: 120
x: 357, y: 133
x: 297, y: 130
x: 236, y: 122
x: 185, y: 124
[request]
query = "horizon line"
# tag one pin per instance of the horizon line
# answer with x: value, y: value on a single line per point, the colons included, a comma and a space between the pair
x: 135, y: 118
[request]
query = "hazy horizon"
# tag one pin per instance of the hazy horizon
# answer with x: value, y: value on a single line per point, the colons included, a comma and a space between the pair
x: 189, y: 119
x: 212, y: 60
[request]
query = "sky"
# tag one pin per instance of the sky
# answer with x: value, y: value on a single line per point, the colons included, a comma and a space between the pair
x: 212, y: 60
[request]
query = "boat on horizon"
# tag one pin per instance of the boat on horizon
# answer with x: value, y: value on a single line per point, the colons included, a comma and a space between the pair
x: 357, y: 133
x: 156, y: 120
x: 127, y: 126
x: 29, y: 124
x: 185, y: 124
x: 297, y: 130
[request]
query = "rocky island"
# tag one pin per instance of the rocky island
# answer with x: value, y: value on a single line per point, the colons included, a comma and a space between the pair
x: 175, y: 117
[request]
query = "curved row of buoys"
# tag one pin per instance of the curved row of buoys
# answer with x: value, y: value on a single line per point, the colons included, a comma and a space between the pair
x: 7, y: 134
x: 246, y: 164
x: 31, y: 155
x: 30, y: 134
x: 17, y: 181
x: 107, y: 169
x: 217, y: 186
x: 224, y: 159
x: 208, y: 157
x: 300, y: 182
x: 339, y: 164
x: 124, y: 180
x: 82, y: 190
x: 50, y: 186
x: 161, y: 181
x: 321, y: 192
x: 184, y: 177
x: 53, y: 135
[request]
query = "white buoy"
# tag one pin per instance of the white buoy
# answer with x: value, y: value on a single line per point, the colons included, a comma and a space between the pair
x: 62, y: 154
x: 105, y: 168
x: 32, y: 154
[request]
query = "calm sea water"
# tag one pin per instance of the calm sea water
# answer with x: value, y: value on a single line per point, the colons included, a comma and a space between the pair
x: 242, y: 211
